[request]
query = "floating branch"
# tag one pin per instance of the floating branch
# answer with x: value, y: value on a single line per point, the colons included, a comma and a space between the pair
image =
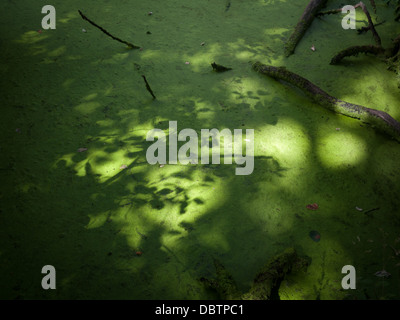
x: 148, y: 87
x: 380, y: 119
x: 370, y: 24
x: 353, y: 51
x: 305, y: 21
x: 219, y: 68
x: 130, y: 45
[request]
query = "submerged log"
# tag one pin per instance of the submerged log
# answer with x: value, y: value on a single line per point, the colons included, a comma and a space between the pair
x: 224, y: 283
x: 313, y: 7
x: 274, y: 272
x: 379, y: 119
x: 265, y: 281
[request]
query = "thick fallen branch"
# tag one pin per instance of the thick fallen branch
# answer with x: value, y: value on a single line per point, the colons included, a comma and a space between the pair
x: 130, y: 45
x: 353, y: 51
x: 305, y: 21
x: 379, y: 119
x: 265, y: 281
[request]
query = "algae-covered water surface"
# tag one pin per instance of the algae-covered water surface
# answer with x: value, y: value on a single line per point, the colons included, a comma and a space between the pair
x: 79, y: 194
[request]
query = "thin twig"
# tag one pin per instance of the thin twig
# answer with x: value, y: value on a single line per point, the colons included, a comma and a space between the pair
x: 130, y: 45
x: 148, y: 87
x: 370, y: 24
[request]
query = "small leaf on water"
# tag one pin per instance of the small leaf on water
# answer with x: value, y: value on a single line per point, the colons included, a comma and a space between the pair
x: 382, y: 274
x: 315, y: 236
x: 313, y: 206
x: 82, y: 149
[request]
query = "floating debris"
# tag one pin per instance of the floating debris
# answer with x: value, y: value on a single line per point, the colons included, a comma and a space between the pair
x: 315, y: 236
x: 359, y: 209
x: 312, y: 48
x: 187, y: 62
x: 124, y: 166
x: 382, y: 274
x: 202, y: 44
x: 83, y: 30
x: 337, y: 129
x: 312, y: 206
x: 82, y: 149
x: 162, y: 165
x: 219, y: 68
x: 138, y: 253
x: 150, y: 13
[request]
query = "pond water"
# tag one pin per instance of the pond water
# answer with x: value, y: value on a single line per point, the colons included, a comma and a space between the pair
x: 116, y: 227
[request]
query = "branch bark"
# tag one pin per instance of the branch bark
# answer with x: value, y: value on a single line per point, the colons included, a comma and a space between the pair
x: 305, y: 21
x: 353, y: 51
x: 379, y: 119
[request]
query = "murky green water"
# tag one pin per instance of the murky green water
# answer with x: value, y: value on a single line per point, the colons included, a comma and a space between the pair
x: 87, y: 215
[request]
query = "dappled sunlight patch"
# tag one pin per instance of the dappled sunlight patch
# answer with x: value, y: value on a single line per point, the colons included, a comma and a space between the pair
x: 26, y: 187
x: 67, y: 158
x: 150, y: 55
x: 87, y: 107
x: 115, y: 59
x: 67, y: 17
x: 106, y: 123
x: 32, y: 37
x: 271, y: 211
x: 80, y: 168
x: 97, y: 220
x: 286, y: 141
x: 67, y: 83
x: 107, y: 164
x: 341, y: 149
x: 57, y: 52
x: 204, y: 57
x: 205, y: 112
x: 275, y: 31
x: 90, y: 96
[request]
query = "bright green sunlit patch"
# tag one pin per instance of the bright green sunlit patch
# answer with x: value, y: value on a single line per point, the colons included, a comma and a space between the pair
x: 57, y: 52
x: 87, y: 107
x: 340, y: 149
x: 286, y: 142
x: 97, y: 220
x: 90, y: 96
